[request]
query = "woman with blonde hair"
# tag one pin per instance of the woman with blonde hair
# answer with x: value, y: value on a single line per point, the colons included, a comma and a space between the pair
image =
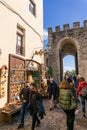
x: 67, y: 103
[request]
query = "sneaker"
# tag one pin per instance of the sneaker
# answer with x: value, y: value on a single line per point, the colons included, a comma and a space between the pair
x: 20, y: 126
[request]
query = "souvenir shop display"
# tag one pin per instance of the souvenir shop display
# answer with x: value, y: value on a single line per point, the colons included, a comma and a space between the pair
x: 21, y: 70
x: 16, y: 78
x: 3, y: 80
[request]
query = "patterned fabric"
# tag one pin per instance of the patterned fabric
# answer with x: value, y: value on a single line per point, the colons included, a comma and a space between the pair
x: 66, y: 100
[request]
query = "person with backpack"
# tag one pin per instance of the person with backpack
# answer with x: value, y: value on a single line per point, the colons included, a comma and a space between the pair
x: 82, y: 84
x: 68, y: 103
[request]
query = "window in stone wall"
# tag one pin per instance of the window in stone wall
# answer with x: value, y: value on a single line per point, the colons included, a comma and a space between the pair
x: 20, y: 46
x: 32, y: 7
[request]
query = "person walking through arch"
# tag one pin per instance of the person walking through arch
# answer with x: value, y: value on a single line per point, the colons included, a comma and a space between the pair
x: 68, y: 103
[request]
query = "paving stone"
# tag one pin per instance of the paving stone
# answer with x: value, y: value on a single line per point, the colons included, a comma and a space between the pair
x: 54, y: 120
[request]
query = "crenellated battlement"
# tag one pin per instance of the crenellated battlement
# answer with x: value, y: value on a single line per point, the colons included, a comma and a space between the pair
x: 66, y: 27
x: 64, y: 41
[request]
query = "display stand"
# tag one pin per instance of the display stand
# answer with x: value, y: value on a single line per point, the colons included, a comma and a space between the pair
x: 7, y: 116
x: 16, y: 76
x: 21, y: 70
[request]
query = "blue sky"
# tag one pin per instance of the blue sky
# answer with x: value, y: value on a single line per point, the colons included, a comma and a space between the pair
x: 60, y: 12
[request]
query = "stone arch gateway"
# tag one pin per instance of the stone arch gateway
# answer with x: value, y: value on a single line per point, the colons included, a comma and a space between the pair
x: 68, y: 42
x: 67, y: 46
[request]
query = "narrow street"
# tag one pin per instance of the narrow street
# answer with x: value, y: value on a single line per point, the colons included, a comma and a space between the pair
x: 54, y: 120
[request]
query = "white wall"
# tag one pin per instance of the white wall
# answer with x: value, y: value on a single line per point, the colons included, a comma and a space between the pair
x: 8, y: 27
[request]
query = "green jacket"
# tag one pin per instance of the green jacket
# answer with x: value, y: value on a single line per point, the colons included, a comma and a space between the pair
x: 66, y: 100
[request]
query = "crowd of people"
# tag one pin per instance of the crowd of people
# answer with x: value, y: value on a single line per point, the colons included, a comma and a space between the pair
x: 66, y: 94
x: 32, y: 102
x: 71, y: 88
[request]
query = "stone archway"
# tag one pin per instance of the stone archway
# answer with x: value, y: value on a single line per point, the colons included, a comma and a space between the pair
x: 64, y: 42
x: 67, y: 47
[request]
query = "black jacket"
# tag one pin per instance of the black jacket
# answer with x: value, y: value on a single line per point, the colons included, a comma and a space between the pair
x: 25, y: 93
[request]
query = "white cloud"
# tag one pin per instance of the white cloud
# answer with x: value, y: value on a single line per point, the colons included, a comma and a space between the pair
x: 68, y: 68
x: 45, y: 34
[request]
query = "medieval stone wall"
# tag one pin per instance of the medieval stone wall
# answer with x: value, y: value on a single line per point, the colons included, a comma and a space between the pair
x: 71, y: 41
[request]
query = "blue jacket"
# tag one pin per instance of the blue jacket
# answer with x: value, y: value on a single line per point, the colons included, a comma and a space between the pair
x: 53, y: 89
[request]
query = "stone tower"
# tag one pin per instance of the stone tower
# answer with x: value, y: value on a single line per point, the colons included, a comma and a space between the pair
x: 69, y: 41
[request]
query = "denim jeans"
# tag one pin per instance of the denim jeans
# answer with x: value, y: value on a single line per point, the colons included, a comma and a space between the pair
x: 83, y: 104
x: 23, y: 109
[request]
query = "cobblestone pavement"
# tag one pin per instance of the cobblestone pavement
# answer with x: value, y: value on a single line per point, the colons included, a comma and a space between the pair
x: 54, y: 120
